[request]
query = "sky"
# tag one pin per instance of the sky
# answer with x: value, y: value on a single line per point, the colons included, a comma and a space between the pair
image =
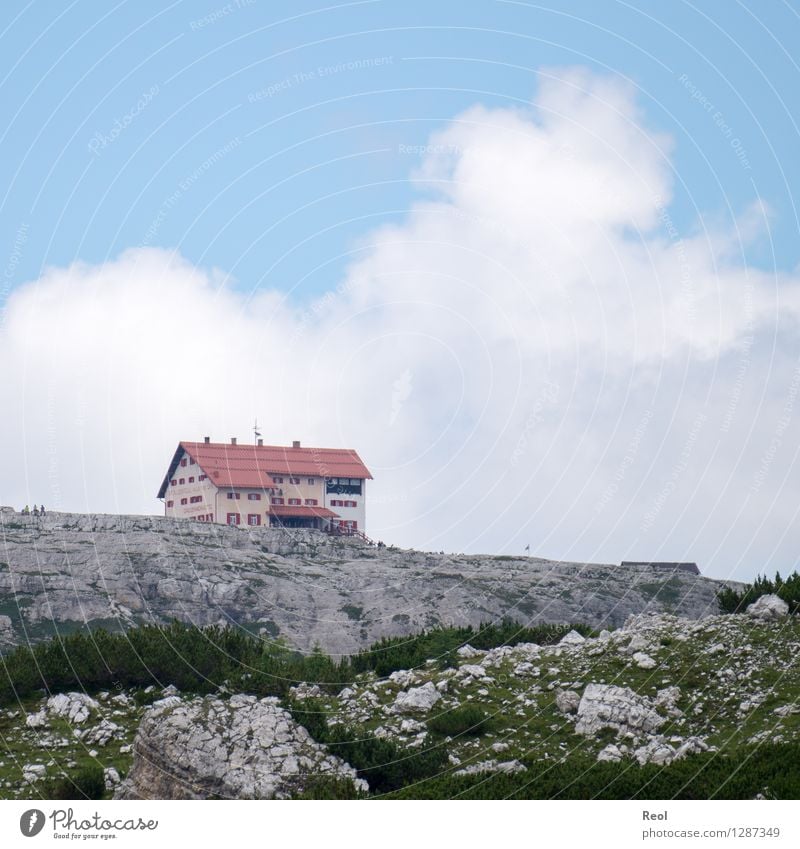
x: 537, y: 263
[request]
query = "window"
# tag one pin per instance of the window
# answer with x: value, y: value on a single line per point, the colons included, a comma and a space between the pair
x: 254, y: 496
x: 294, y: 480
x: 354, y: 525
x: 191, y: 480
x: 277, y: 501
x: 184, y: 500
x: 170, y: 503
x: 195, y: 499
x: 353, y: 504
x: 311, y: 481
x: 294, y: 501
x: 202, y: 477
x: 232, y: 495
x: 343, y: 486
x: 173, y: 482
x: 311, y: 502
x: 278, y: 480
x: 335, y: 502
x: 253, y: 519
x: 210, y: 517
x: 233, y: 518
x: 183, y: 462
x: 181, y: 480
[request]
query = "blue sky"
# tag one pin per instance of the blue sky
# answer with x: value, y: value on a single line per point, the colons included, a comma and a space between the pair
x: 360, y: 197
x: 320, y: 160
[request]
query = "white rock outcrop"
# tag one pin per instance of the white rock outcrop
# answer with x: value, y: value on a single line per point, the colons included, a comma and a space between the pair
x: 155, y: 569
x: 417, y: 699
x: 618, y: 708
x: 75, y: 707
x: 643, y: 661
x: 768, y: 608
x: 242, y: 748
x: 567, y: 701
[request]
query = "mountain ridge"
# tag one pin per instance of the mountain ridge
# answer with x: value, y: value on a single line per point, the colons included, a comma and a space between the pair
x: 63, y: 571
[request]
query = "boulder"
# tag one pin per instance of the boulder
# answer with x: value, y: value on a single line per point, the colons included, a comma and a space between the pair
x: 111, y: 778
x: 567, y: 701
x: 33, y: 772
x: 768, y: 608
x: 102, y: 734
x: 691, y: 746
x: 492, y: 766
x: 36, y: 720
x: 469, y: 651
x: 6, y: 629
x: 618, y: 708
x: 75, y: 707
x: 417, y: 699
x: 241, y: 748
x: 655, y: 751
x: 643, y: 661
x: 667, y: 699
x: 611, y: 753
x: 573, y: 638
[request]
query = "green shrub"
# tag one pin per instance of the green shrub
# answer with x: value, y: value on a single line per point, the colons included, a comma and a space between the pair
x: 733, y: 601
x: 468, y: 720
x: 329, y: 787
x: 87, y: 783
x: 769, y: 769
x: 441, y: 644
x: 385, y: 765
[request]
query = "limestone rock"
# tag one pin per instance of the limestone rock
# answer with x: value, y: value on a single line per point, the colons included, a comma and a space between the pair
x: 36, y: 720
x: 136, y: 569
x: 492, y: 766
x: 102, y: 734
x: 618, y: 708
x: 242, y: 748
x: 468, y: 651
x: 111, y: 777
x: 6, y: 630
x: 567, y: 701
x: 643, y: 661
x: 655, y: 751
x: 573, y: 638
x: 417, y: 699
x: 33, y: 772
x: 610, y: 753
x: 767, y: 608
x: 75, y: 707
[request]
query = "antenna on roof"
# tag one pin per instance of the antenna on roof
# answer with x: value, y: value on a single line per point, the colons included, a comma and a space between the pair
x: 256, y: 431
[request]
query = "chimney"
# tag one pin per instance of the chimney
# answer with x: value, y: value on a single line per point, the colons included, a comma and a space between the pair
x: 260, y: 441
x: 233, y: 440
x: 296, y: 443
x: 206, y: 439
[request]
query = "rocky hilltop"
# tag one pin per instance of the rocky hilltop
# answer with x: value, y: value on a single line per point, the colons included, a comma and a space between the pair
x: 62, y: 571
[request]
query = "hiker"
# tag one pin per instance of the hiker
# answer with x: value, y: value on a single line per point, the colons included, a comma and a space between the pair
x: 41, y: 510
x: 35, y: 510
x: 26, y: 511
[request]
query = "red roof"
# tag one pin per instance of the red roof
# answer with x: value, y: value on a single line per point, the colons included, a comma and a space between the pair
x: 284, y: 511
x: 251, y: 466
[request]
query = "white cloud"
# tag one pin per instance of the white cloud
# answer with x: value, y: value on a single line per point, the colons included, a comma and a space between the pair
x: 539, y: 299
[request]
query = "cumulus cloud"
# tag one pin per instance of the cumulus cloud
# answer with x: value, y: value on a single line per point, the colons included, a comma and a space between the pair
x: 535, y: 354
